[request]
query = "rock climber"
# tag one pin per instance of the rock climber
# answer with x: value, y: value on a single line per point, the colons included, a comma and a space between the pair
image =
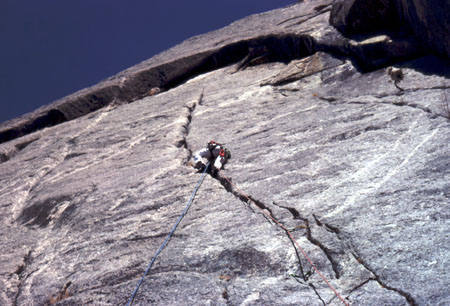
x: 215, y: 153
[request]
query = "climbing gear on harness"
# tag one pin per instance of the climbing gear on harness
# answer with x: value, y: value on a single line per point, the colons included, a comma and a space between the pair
x: 166, y: 241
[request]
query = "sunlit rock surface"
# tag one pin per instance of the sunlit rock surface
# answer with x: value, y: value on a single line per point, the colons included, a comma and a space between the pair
x: 354, y: 167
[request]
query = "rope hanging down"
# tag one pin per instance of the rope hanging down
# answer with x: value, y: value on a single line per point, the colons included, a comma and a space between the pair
x: 200, y: 181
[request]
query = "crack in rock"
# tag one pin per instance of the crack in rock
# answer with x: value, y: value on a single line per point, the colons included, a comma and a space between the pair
x: 225, y: 182
x: 312, y: 287
x: 360, y: 285
x: 358, y: 258
x: 335, y: 101
x: 377, y: 278
x: 293, y: 18
x: 325, y: 250
x: 305, y: 275
x: 320, y: 11
x: 63, y: 293
x: 323, y: 8
x: 21, y: 273
x: 317, y: 293
x: 49, y: 118
x: 247, y: 199
x: 330, y: 228
x: 185, y: 128
x: 333, y: 229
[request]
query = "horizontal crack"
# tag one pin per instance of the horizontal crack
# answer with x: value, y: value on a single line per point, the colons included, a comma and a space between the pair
x: 309, y: 18
x: 293, y: 18
x: 324, y: 8
x: 335, y: 101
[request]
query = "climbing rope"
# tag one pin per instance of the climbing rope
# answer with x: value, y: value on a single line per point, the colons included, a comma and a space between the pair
x: 292, y: 238
x: 130, y: 301
x: 166, y: 241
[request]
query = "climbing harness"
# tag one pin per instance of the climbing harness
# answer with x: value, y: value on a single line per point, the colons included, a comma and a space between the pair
x: 200, y: 181
x: 292, y: 238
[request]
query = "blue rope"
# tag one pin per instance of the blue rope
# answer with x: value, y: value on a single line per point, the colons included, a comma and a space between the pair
x: 169, y: 235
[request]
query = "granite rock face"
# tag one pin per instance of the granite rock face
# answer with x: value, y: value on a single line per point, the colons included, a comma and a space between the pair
x: 361, y: 16
x: 356, y: 169
x: 428, y: 20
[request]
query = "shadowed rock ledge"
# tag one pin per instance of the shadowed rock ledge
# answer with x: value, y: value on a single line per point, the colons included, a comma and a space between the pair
x: 351, y: 159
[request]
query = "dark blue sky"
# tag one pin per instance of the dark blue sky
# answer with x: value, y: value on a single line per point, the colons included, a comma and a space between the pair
x: 52, y: 48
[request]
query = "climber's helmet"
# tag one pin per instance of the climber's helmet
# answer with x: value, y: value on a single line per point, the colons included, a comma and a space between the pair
x: 211, y: 145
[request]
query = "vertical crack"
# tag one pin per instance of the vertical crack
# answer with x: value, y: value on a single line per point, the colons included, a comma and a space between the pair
x: 305, y: 276
x: 64, y: 293
x: 310, y: 285
x: 317, y: 293
x: 185, y: 129
x: 226, y: 296
x: 21, y: 273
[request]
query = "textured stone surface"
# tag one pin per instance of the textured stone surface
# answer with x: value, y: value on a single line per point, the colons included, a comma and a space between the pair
x: 362, y: 16
x: 355, y: 168
x: 428, y: 20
